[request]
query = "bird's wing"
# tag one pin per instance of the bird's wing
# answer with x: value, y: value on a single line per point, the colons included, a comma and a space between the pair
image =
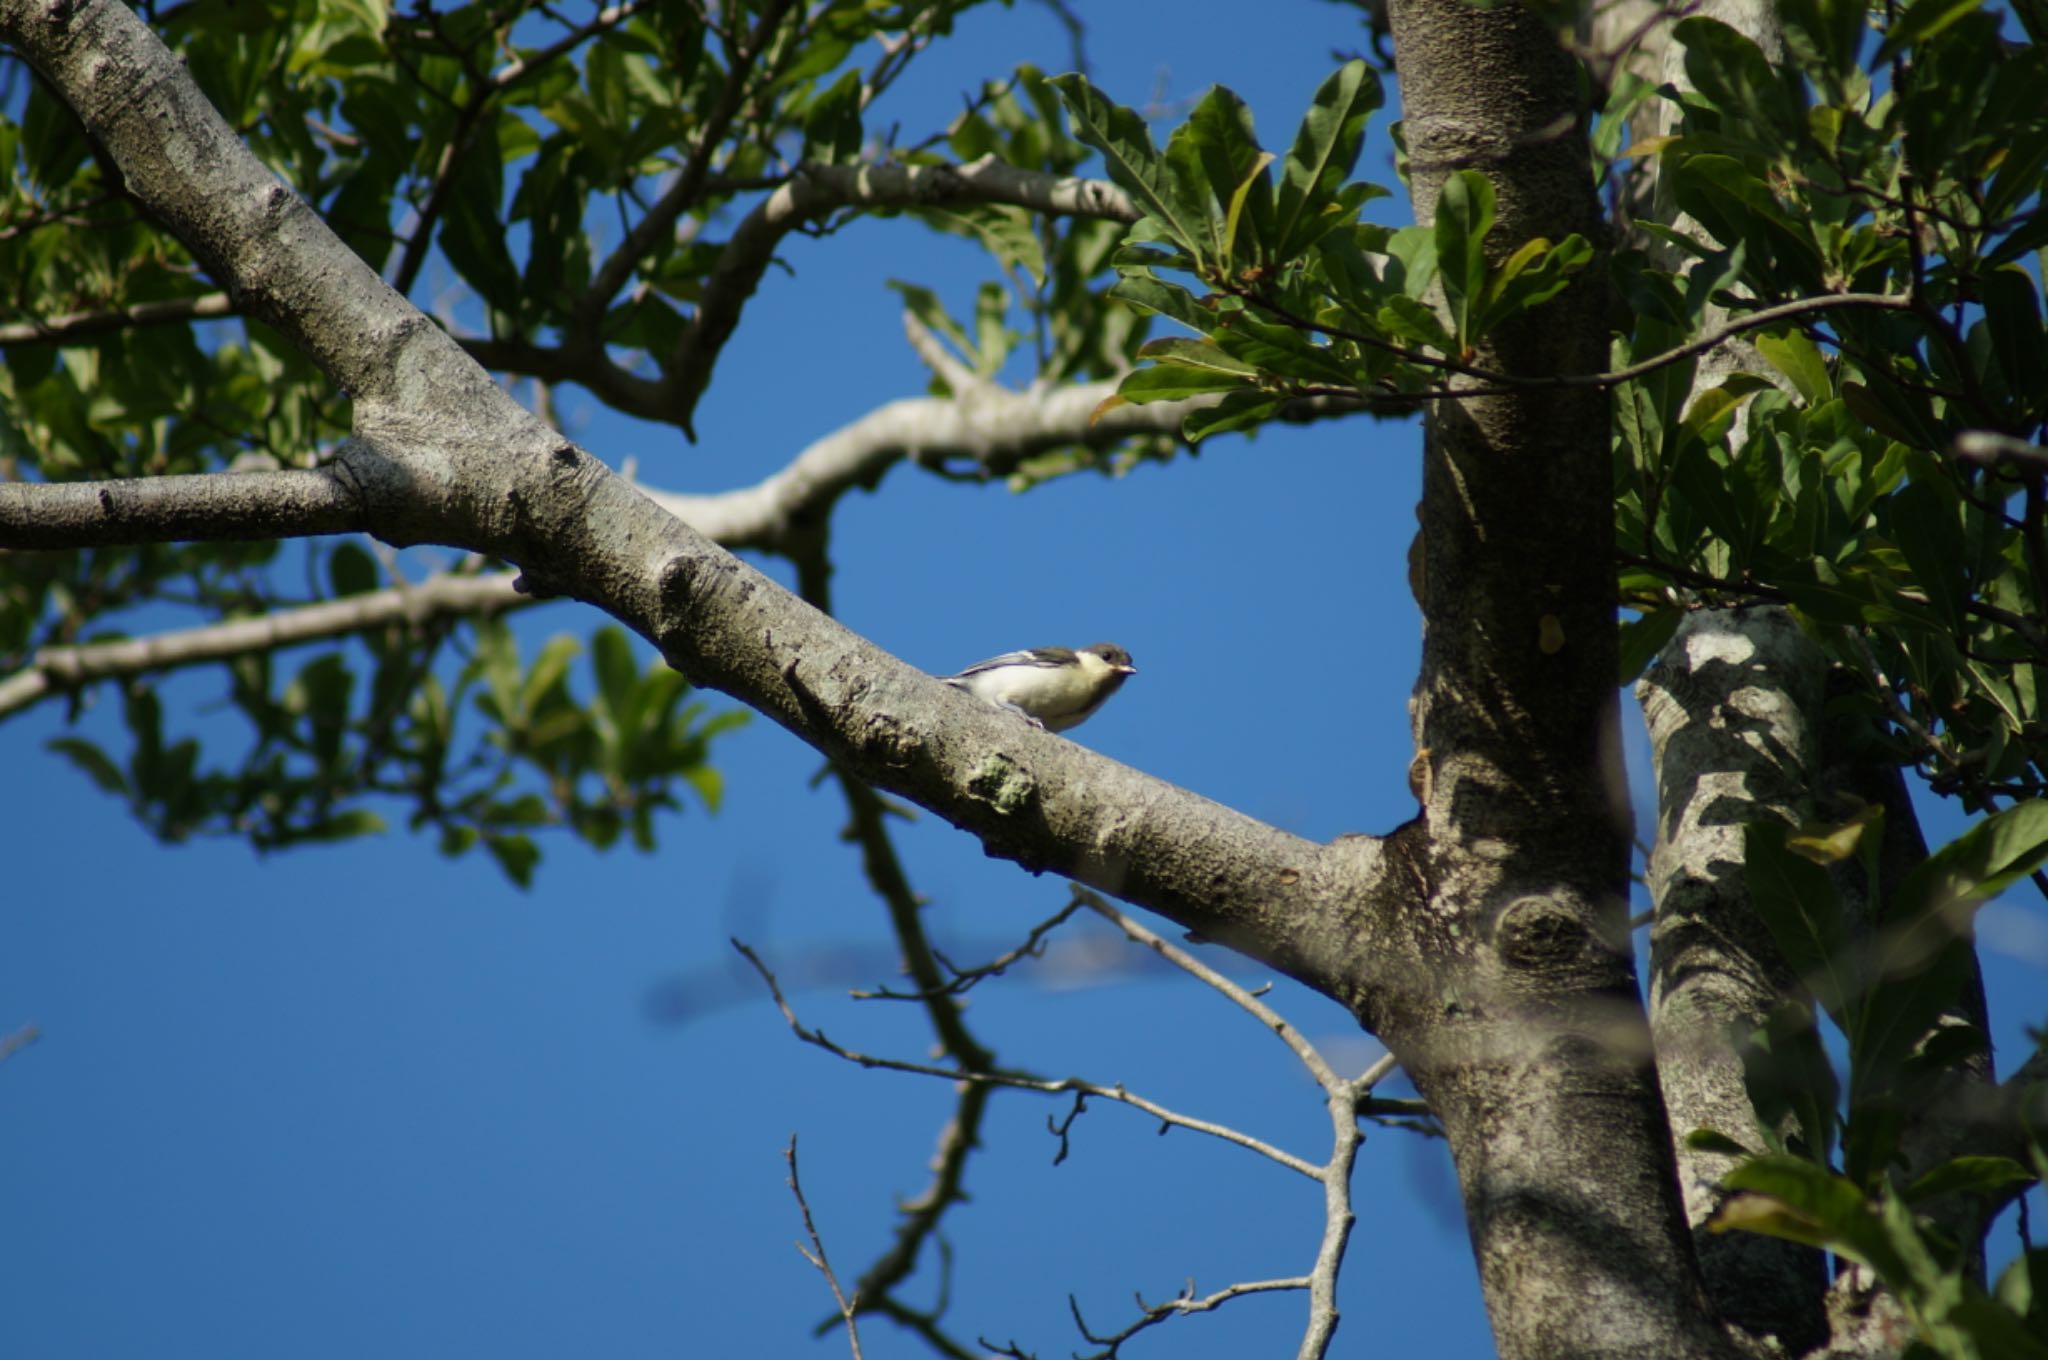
x: 1036, y: 656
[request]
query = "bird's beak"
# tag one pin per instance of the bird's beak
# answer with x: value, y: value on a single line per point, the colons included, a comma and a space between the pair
x: 1127, y: 669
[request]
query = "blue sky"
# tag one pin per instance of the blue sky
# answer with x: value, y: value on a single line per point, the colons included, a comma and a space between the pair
x: 363, y: 1100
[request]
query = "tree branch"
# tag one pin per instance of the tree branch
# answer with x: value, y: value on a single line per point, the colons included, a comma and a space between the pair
x: 1504, y: 383
x: 813, y: 193
x: 1020, y: 1081
x: 79, y: 325
x: 56, y: 669
x: 212, y: 506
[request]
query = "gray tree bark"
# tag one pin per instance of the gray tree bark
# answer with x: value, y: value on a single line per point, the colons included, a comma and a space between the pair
x: 1529, y: 1039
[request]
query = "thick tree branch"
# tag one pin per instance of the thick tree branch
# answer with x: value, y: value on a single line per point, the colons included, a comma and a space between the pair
x: 225, y: 505
x: 1733, y: 707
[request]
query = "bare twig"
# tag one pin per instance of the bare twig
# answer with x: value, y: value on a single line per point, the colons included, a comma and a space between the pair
x: 1345, y: 1100
x: 1303, y: 1050
x: 1021, y: 1081
x: 964, y: 979
x: 815, y: 1254
x: 1180, y: 1305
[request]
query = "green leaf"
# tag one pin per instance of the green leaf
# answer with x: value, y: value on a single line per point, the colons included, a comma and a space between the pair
x: 924, y: 304
x: 1239, y: 410
x: 1735, y: 205
x: 1895, y: 413
x: 1169, y: 300
x: 1944, y: 891
x: 1408, y: 319
x: 1132, y: 161
x: 352, y: 570
x: 1198, y: 354
x: 1925, y: 521
x: 94, y: 762
x: 2012, y: 309
x: 1464, y: 216
x: 1801, y: 361
x: 1797, y: 903
x: 1803, y: 1202
x: 1922, y: 20
x: 1214, y: 157
x: 1325, y: 148
x: 1968, y: 1175
x: 473, y: 236
x: 1713, y: 1140
x: 1006, y: 232
x: 1643, y: 638
x: 320, y: 693
x: 1173, y: 383
x: 1825, y: 34
x: 516, y: 856
x: 345, y: 825
x: 1731, y: 72
x: 1790, y: 1082
x: 1534, y: 274
x: 1412, y: 251
x: 832, y: 131
x: 618, y: 674
x: 549, y: 670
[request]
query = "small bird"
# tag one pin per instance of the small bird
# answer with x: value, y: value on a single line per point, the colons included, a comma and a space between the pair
x: 1051, y: 687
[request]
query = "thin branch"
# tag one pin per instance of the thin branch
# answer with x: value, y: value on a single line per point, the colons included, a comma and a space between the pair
x: 1344, y: 1101
x: 868, y: 828
x: 1509, y: 382
x: 1180, y: 1305
x: 56, y: 669
x: 817, y: 191
x: 660, y: 219
x: 1303, y: 1050
x: 815, y: 1254
x: 79, y: 325
x: 1022, y: 1082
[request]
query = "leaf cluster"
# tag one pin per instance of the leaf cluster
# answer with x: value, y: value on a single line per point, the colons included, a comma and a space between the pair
x: 1827, y: 478
x: 333, y: 751
x: 1893, y: 977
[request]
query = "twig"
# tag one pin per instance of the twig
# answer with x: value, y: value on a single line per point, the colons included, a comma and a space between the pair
x: 1180, y: 1305
x: 966, y: 978
x: 1303, y: 1050
x: 1020, y: 1081
x: 1508, y: 382
x: 815, y: 1253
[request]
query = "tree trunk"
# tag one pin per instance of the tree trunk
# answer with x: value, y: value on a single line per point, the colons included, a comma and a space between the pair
x: 1529, y: 1038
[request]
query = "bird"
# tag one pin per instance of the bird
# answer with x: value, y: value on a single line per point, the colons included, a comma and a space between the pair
x: 1050, y: 687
